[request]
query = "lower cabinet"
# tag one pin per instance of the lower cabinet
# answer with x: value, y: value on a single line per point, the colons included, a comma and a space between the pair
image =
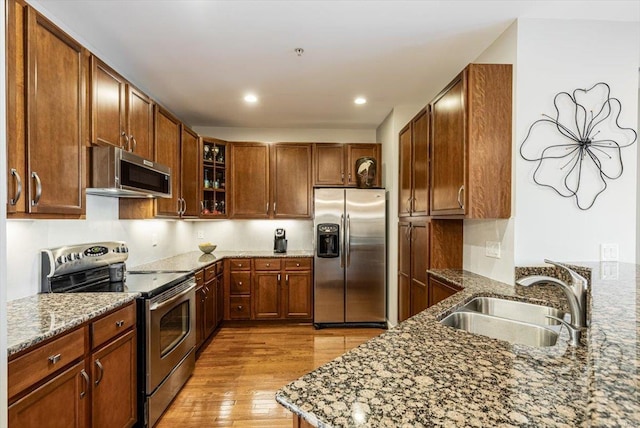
x: 209, y: 301
x: 440, y: 290
x: 267, y: 295
x: 73, y: 382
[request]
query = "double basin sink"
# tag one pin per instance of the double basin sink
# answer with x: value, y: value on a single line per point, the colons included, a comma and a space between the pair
x: 509, y: 320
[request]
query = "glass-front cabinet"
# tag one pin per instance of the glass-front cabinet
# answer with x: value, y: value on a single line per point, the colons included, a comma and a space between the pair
x: 214, y: 178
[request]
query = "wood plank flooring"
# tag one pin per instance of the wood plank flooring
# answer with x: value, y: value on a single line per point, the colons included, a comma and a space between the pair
x: 237, y: 375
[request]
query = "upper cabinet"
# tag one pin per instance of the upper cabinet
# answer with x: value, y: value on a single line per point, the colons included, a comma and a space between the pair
x: 121, y: 115
x: 291, y: 181
x: 167, y: 147
x: 471, y: 144
x: 335, y: 164
x: 214, y: 178
x: 189, y: 183
x: 414, y: 167
x: 46, y: 117
x: 250, y: 180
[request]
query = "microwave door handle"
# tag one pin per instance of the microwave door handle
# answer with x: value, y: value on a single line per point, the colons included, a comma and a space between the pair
x: 160, y: 305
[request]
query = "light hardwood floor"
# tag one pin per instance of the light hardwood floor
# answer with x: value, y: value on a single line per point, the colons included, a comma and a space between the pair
x: 237, y: 375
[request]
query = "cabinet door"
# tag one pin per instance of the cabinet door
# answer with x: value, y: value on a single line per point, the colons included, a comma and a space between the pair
x: 297, y: 295
x: 447, y: 150
x: 16, y: 107
x: 419, y: 265
x: 291, y: 180
x: 404, y: 271
x: 250, y: 180
x: 167, y: 148
x: 210, y: 308
x: 190, y: 158
x: 356, y: 151
x: 57, y: 75
x: 439, y: 290
x: 140, y: 116
x: 108, y: 105
x: 62, y: 402
x: 420, y: 163
x: 200, y: 314
x: 329, y: 167
x: 114, y: 383
x: 219, y: 299
x: 404, y: 200
x: 266, y: 295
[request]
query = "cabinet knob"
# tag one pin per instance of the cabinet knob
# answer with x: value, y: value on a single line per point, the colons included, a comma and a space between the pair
x: 239, y: 282
x: 268, y: 264
x: 119, y: 323
x: 239, y: 264
x: 239, y: 307
x: 53, y: 359
x: 297, y: 264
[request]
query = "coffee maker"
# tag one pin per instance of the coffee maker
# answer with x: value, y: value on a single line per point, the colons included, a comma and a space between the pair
x: 279, y: 241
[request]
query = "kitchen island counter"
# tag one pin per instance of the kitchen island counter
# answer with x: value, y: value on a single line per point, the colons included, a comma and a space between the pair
x: 33, y: 319
x: 195, y: 260
x: 422, y: 373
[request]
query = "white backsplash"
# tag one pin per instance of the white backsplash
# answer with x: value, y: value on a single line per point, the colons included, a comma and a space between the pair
x: 148, y: 240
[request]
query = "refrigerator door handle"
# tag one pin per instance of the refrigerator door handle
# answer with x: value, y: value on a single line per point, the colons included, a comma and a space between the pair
x: 347, y: 238
x: 341, y: 241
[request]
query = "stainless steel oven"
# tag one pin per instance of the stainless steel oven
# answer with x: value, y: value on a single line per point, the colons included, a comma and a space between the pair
x: 170, y: 346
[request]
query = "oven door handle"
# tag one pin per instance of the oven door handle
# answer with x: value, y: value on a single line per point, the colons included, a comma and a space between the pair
x: 173, y: 299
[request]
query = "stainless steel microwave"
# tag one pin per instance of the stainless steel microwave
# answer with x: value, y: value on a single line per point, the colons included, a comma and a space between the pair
x: 121, y: 174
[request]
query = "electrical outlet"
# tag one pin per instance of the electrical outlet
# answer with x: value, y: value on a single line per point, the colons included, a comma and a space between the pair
x: 492, y: 249
x: 201, y: 234
x: 609, y: 252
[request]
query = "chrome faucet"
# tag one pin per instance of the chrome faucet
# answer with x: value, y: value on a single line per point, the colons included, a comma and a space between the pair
x: 576, y: 293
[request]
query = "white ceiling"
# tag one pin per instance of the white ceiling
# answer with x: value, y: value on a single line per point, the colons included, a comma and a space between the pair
x: 199, y: 58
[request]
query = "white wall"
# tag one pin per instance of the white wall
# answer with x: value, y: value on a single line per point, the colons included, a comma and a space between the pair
x: 554, y: 56
x: 387, y: 135
x: 477, y: 232
x: 272, y: 135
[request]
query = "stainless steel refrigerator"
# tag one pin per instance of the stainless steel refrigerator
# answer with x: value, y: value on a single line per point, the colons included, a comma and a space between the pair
x: 350, y: 257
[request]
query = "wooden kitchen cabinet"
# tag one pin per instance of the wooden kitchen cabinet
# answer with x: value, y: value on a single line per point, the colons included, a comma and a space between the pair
x: 85, y: 377
x: 471, y: 144
x: 291, y: 181
x: 282, y: 290
x: 237, y: 283
x: 210, y: 297
x: 167, y: 148
x: 266, y: 295
x: 334, y: 163
x: 219, y: 293
x: 414, y: 167
x: 140, y: 122
x: 440, y: 290
x: 190, y: 181
x: 250, y: 180
x: 200, y: 308
x: 46, y: 117
x: 297, y: 295
x: 213, y: 153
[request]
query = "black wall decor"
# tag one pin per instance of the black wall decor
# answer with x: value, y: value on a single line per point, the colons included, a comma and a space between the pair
x: 581, y: 146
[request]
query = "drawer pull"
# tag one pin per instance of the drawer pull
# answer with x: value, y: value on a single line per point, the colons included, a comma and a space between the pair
x: 239, y: 264
x: 240, y: 307
x: 239, y: 282
x: 119, y: 323
x: 53, y: 359
x: 268, y: 264
x: 85, y: 376
x: 297, y: 264
x: 101, y: 373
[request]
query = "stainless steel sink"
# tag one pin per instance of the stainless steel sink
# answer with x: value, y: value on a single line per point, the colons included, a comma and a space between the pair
x: 513, y: 310
x: 501, y: 328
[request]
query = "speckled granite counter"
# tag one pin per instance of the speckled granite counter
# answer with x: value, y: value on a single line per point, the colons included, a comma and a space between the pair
x: 422, y: 373
x: 195, y: 260
x: 36, y: 318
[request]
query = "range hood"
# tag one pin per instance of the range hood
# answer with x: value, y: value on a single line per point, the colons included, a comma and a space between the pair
x: 120, y: 174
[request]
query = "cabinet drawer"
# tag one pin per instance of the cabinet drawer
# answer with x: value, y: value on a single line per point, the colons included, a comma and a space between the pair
x: 39, y: 363
x: 240, y: 283
x: 266, y: 264
x: 240, y: 264
x: 209, y: 273
x: 297, y: 264
x: 112, y: 325
x: 199, y: 277
x: 240, y: 308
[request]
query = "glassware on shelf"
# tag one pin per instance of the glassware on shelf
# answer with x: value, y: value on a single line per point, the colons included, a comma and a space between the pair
x: 207, y: 180
x: 220, y: 156
x: 215, y: 152
x: 207, y: 155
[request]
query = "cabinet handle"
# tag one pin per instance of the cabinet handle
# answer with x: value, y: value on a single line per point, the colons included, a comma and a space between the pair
x: 201, y: 206
x: 274, y: 208
x: 119, y: 323
x: 99, y: 365
x: 35, y: 200
x: 268, y: 264
x: 240, y: 265
x: 278, y: 277
x: 184, y: 206
x: 239, y: 307
x: 14, y: 172
x: 342, y: 177
x: 409, y: 204
x: 85, y: 376
x: 53, y: 359
x: 239, y: 282
x: 135, y: 143
x: 349, y: 177
x: 286, y: 279
x: 267, y: 207
x: 126, y: 140
x: 297, y: 264
x: 460, y: 190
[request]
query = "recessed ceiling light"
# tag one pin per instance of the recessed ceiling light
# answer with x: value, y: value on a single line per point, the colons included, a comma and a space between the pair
x: 360, y: 100
x: 250, y: 98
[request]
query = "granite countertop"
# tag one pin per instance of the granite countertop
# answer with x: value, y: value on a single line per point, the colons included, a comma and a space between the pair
x: 195, y: 260
x: 422, y: 373
x: 33, y: 319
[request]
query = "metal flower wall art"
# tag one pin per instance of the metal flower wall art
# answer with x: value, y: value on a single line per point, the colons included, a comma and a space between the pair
x: 579, y: 149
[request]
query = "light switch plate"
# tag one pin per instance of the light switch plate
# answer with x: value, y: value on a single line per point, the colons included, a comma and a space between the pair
x: 492, y: 249
x: 609, y: 252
